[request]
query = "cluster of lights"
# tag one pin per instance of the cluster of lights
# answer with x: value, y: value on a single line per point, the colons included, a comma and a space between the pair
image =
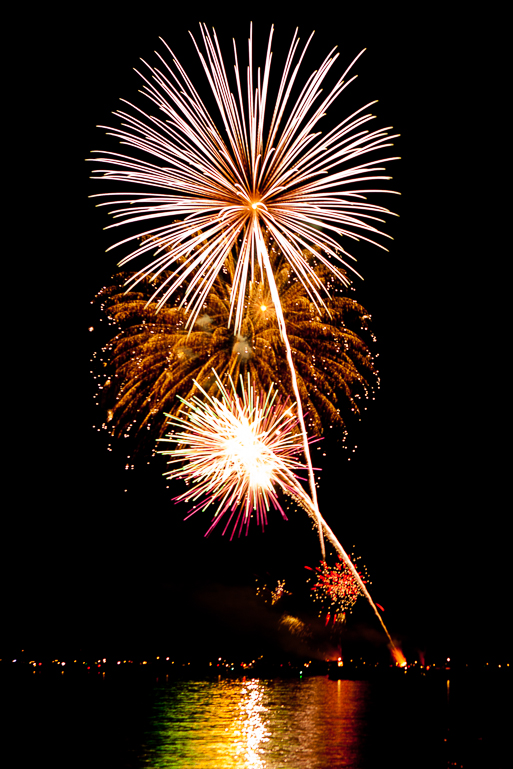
x: 273, y: 595
x: 294, y: 625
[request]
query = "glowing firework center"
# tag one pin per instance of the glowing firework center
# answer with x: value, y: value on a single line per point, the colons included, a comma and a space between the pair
x: 248, y: 455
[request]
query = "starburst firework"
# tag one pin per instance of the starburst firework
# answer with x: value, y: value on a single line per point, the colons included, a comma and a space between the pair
x: 235, y: 183
x: 236, y: 451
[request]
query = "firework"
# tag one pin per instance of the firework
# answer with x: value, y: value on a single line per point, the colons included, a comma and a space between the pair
x: 236, y: 452
x: 273, y: 595
x: 218, y: 186
x: 216, y: 189
x: 235, y: 187
x: 152, y: 358
x: 337, y: 588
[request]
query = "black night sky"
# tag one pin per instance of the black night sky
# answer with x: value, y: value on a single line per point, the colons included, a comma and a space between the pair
x: 98, y: 557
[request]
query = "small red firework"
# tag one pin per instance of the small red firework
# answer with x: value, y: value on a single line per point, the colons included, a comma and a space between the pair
x: 336, y: 588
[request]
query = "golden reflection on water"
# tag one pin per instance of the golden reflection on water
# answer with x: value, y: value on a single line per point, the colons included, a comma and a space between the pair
x: 253, y: 728
x: 255, y: 724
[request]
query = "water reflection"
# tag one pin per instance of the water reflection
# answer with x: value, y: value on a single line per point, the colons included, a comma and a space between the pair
x: 311, y: 724
x: 253, y: 725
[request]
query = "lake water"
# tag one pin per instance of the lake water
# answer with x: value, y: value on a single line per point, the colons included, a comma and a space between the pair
x: 313, y: 723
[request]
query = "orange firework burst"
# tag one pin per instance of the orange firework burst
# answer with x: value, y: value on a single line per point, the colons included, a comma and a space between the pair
x: 152, y: 358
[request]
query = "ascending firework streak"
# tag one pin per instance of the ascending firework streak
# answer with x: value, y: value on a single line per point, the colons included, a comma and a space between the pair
x: 237, y: 451
x: 340, y: 550
x: 216, y: 192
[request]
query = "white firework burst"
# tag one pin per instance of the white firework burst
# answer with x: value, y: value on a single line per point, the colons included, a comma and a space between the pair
x: 237, y: 451
x: 227, y: 184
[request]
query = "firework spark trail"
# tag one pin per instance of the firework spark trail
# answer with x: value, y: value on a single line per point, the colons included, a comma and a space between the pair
x: 285, y: 182
x: 306, y: 502
x: 298, y: 492
x: 340, y: 550
x: 281, y: 323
